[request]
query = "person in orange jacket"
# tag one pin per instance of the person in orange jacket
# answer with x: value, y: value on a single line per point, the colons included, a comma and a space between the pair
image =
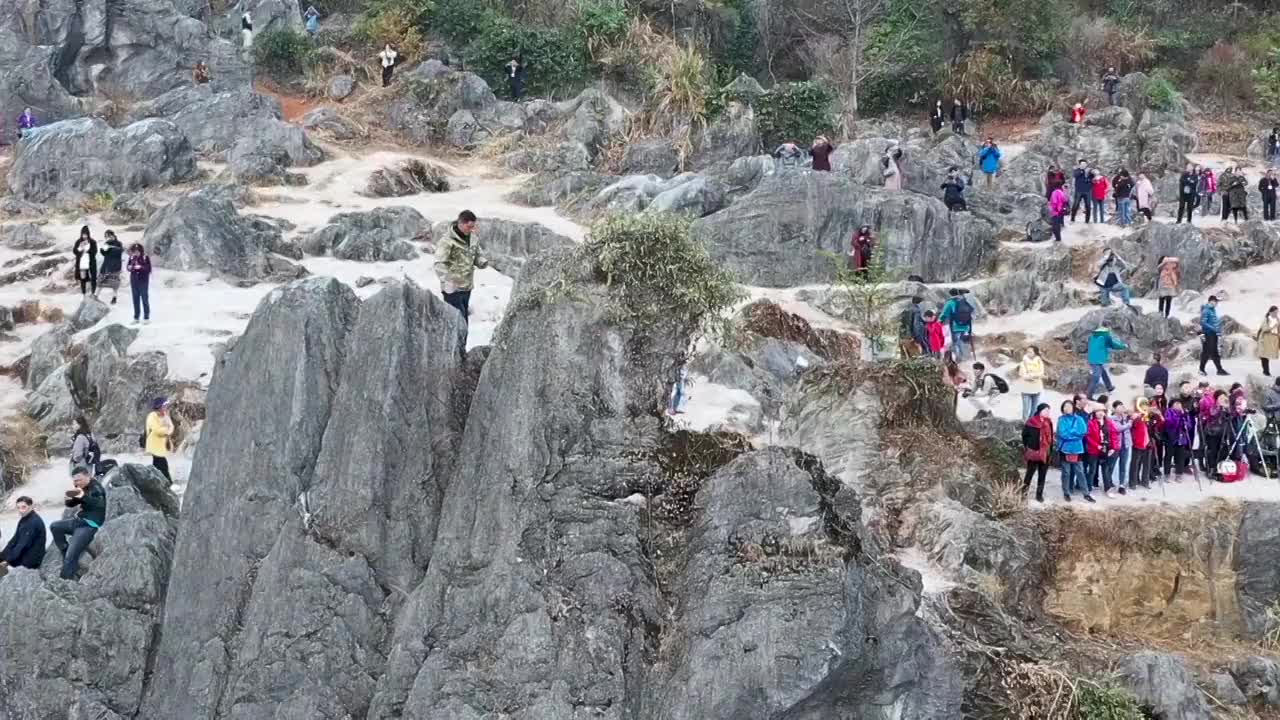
x: 1099, y: 197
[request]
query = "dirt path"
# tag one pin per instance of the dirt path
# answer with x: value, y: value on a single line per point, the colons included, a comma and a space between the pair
x: 293, y: 106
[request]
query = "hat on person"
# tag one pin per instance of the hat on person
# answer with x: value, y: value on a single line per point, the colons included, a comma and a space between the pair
x: 1213, y: 298
x: 160, y: 402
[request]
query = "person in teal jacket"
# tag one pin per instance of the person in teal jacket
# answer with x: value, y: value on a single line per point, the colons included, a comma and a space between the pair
x: 1071, y: 431
x: 989, y: 160
x: 1101, y: 343
x: 958, y: 315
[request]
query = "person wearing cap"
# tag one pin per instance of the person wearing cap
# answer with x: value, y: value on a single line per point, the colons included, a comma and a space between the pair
x: 1101, y: 343
x: 159, y: 430
x: 89, y: 496
x: 1210, y: 329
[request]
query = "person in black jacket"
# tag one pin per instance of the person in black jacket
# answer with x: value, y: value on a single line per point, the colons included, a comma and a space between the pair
x: 1110, y: 82
x: 89, y: 496
x: 86, y: 253
x: 112, y: 262
x: 1187, y: 185
x: 1083, y: 186
x: 959, y: 114
x: 26, y: 547
x: 1267, y: 186
x: 936, y: 117
x: 515, y: 77
x: 953, y: 192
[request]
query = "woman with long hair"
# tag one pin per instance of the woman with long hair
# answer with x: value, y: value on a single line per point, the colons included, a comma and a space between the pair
x: 1269, y: 339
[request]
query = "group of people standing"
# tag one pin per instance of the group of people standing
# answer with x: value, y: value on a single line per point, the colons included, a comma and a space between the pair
x: 1093, y: 190
x: 958, y: 113
x: 1197, y: 186
x: 91, y: 274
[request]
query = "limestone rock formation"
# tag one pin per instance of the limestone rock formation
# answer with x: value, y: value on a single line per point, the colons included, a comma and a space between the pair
x: 1144, y: 333
x: 69, y: 159
x: 378, y: 235
x: 407, y: 178
x: 509, y: 244
x: 24, y: 236
x: 203, y: 231
x: 1163, y: 683
x: 555, y: 189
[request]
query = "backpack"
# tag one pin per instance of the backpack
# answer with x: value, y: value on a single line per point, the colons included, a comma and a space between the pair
x: 142, y: 439
x: 963, y: 314
x: 1031, y: 438
x: 93, y: 454
x: 999, y: 382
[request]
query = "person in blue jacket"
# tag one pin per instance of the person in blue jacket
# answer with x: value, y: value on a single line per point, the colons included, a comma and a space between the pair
x: 1101, y: 343
x: 1071, y: 431
x: 26, y: 547
x: 1210, y: 328
x: 989, y: 160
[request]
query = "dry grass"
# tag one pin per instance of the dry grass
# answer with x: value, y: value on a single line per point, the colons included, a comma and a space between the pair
x: 768, y: 319
x: 31, y: 311
x: 22, y: 447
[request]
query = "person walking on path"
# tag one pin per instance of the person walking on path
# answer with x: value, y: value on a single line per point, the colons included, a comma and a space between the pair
x: 1082, y: 184
x: 86, y: 254
x: 860, y: 249
x: 1224, y: 185
x: 1030, y: 380
x: 1098, y: 196
x: 388, y: 60
x: 1122, y: 190
x: 1238, y: 191
x: 89, y: 496
x: 112, y: 263
x: 1168, y: 282
x: 1269, y: 339
x: 1072, y: 429
x: 26, y: 122
x: 958, y: 313
x: 1110, y: 81
x: 1101, y: 343
x: 26, y: 548
x: 989, y: 160
x: 457, y: 257
x: 821, y: 151
x: 1110, y: 280
x: 1187, y: 185
x: 515, y: 78
x: 1145, y: 193
x: 139, y: 267
x: 1210, y: 328
x: 936, y: 117
x: 1037, y: 441
x: 1058, y: 213
x: 1267, y: 186
x: 246, y: 29
x: 159, y: 436
x: 1207, y: 187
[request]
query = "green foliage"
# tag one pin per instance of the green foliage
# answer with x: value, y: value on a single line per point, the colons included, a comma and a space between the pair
x: 1162, y: 93
x: 461, y: 20
x: 1031, y: 35
x: 1107, y: 703
x: 1266, y: 82
x: 395, y: 22
x: 553, y: 59
x: 284, y: 54
x: 659, y: 276
x: 867, y: 301
x: 907, y: 45
x: 738, y: 54
x: 796, y: 112
x: 600, y: 24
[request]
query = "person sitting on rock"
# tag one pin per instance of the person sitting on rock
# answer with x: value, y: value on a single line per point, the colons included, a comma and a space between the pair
x: 1110, y: 279
x: 789, y: 154
x: 1101, y: 343
x: 1110, y: 81
x: 89, y: 496
x: 936, y: 117
x: 112, y: 263
x: 820, y: 152
x: 26, y: 122
x: 200, y: 74
x: 139, y: 267
x: 457, y: 257
x: 953, y: 192
x: 85, y: 252
x: 986, y: 388
x: 1077, y: 114
x: 989, y: 160
x: 26, y: 548
x: 860, y: 249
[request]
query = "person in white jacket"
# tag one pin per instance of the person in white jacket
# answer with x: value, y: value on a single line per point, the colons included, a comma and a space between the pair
x: 1146, y: 194
x: 246, y: 29
x: 388, y: 59
x: 1030, y: 380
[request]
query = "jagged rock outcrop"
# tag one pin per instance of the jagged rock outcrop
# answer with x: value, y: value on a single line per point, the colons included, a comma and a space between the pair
x: 203, y: 231
x: 409, y: 177
x: 1163, y: 683
x: 1021, y: 291
x: 84, y: 649
x: 509, y: 244
x: 24, y: 236
x: 559, y: 159
x: 778, y: 233
x: 687, y: 193
x: 261, y: 161
x: 1257, y: 580
x: 651, y: 157
x: 551, y: 189
x: 1144, y: 333
x: 66, y: 160
x: 731, y: 136
x: 378, y: 235
x: 1205, y: 253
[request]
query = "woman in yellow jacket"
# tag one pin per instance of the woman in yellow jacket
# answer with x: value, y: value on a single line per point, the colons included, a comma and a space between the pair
x: 1031, y: 376
x: 159, y: 430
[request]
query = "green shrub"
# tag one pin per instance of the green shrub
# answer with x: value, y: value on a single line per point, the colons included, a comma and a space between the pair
x: 554, y: 59
x: 1266, y: 82
x: 1162, y: 93
x: 738, y: 53
x: 1107, y: 703
x: 796, y: 112
x: 283, y: 54
x: 395, y: 22
x: 600, y: 24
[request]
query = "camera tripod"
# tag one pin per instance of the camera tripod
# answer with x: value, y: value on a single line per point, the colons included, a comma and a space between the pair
x: 1248, y: 434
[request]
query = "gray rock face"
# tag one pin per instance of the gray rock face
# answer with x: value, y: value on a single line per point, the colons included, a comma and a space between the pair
x: 1163, y: 683
x: 335, y: 124
x: 651, y: 157
x: 731, y: 136
x: 407, y: 178
x: 593, y: 118
x: 260, y: 161
x: 1025, y: 290
x: 379, y: 235
x: 509, y: 244
x: 107, y: 621
x: 549, y: 189
x: 47, y: 353
x: 203, y: 231
x: 133, y: 49
x: 776, y: 235
x: 424, y: 106
x: 1258, y: 679
x: 87, y: 156
x: 1144, y: 333
x: 565, y: 157
x: 1257, y: 580
x: 317, y: 586
x: 89, y: 313
x: 686, y: 193
x: 24, y: 236
x: 341, y: 87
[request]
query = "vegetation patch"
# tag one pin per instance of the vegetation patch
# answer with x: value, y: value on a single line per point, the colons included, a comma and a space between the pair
x: 766, y: 318
x: 284, y: 54
x: 22, y: 447
x: 1037, y: 691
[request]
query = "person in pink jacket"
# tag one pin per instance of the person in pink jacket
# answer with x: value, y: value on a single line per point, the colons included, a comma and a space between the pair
x: 1058, y: 204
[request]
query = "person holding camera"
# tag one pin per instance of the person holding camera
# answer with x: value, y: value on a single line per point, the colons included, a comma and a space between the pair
x: 91, y: 498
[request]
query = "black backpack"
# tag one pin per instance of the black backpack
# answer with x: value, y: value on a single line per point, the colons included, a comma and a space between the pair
x: 1000, y: 384
x: 963, y: 314
x: 93, y: 455
x: 1030, y: 437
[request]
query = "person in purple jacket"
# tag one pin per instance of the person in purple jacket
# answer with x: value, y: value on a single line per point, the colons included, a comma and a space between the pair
x: 1179, y: 431
x: 26, y: 121
x: 139, y: 280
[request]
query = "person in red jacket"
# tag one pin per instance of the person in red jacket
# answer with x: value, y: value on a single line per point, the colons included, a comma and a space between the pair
x: 1143, y: 447
x: 934, y: 334
x: 1054, y: 178
x: 1101, y: 446
x: 1077, y: 114
x: 1098, y: 198
x: 1037, y: 440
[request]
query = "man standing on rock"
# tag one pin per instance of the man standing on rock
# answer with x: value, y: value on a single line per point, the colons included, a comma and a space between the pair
x: 89, y: 496
x: 1210, y: 328
x: 26, y: 548
x: 1188, y: 185
x: 457, y: 257
x: 1122, y: 189
x: 1110, y: 81
x: 1083, y: 186
x: 388, y: 59
x: 989, y: 160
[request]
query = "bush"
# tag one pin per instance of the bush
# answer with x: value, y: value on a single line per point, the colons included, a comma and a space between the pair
x: 989, y: 79
x: 796, y: 112
x: 1161, y: 92
x: 395, y: 22
x: 461, y: 20
x: 1266, y: 82
x: 1223, y: 73
x: 1107, y: 703
x: 600, y: 24
x: 553, y: 59
x: 284, y: 54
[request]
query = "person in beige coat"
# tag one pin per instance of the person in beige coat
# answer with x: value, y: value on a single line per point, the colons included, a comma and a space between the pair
x: 1168, y: 282
x: 1030, y: 380
x: 1269, y: 339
